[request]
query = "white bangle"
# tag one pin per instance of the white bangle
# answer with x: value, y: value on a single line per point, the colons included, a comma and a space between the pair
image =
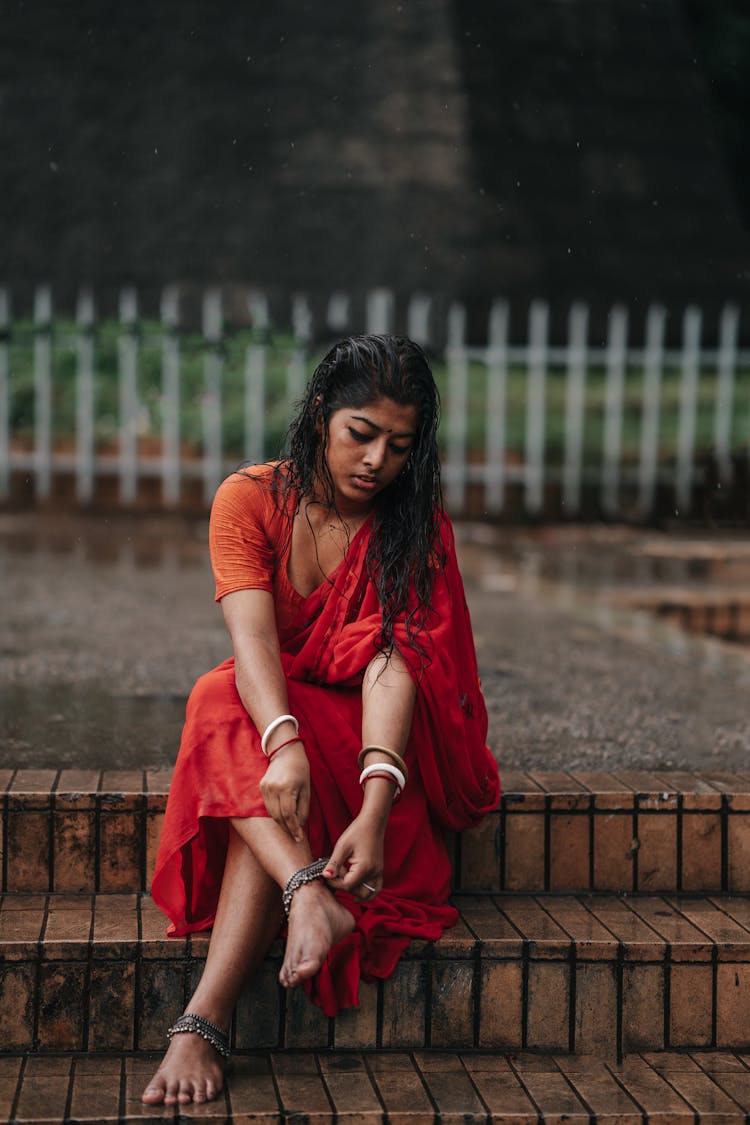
x: 384, y: 767
x: 272, y: 726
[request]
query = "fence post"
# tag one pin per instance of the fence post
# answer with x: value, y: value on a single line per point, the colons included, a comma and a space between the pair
x: 690, y: 364
x: 418, y: 319
x: 337, y: 312
x: 652, y: 367
x: 128, y: 376
x: 535, y: 405
x: 213, y: 365
x: 43, y: 391
x: 495, y: 431
x: 255, y: 380
x: 575, y: 402
x: 296, y: 372
x: 85, y: 397
x: 260, y: 318
x: 728, y: 331
x: 617, y: 333
x: 4, y: 394
x: 170, y: 396
x: 255, y: 403
x: 458, y: 379
x: 379, y: 311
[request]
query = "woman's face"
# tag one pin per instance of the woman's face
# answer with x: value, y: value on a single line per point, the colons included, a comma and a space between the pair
x: 367, y: 448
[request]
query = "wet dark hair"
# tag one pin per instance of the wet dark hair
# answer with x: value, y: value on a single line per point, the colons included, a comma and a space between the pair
x: 404, y: 551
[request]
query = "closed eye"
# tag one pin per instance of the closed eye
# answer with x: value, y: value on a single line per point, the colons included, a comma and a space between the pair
x: 358, y: 436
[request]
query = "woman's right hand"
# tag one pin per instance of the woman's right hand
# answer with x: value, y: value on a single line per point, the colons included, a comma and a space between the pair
x: 285, y: 788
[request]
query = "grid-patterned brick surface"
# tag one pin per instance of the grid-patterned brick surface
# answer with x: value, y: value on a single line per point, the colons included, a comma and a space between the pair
x: 587, y: 974
x: 404, y: 1088
x: 82, y: 831
x: 609, y: 832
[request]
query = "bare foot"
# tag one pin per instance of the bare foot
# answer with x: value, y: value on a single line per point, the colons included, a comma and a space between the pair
x: 316, y: 922
x: 191, y: 1071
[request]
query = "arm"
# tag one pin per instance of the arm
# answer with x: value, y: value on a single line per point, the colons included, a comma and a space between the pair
x: 388, y: 695
x: 251, y: 619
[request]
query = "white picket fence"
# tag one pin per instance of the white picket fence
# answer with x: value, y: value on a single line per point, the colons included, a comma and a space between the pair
x: 483, y: 379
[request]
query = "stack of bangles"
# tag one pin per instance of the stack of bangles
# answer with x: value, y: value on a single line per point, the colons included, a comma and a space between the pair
x: 396, y: 770
x: 272, y: 726
x: 398, y: 773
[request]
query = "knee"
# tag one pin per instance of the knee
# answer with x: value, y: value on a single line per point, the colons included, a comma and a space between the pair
x: 214, y: 689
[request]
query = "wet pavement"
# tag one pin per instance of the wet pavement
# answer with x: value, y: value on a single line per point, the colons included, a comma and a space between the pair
x: 106, y: 622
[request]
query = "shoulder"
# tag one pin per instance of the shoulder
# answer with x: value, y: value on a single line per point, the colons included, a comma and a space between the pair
x: 253, y: 491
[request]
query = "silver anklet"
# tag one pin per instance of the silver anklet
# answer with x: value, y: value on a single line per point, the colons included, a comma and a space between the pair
x: 211, y: 1032
x: 299, y: 878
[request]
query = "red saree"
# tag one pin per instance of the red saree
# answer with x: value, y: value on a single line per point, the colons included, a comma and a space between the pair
x: 453, y: 776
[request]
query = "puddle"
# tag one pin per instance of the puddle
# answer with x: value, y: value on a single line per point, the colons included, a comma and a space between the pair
x: 72, y: 726
x: 140, y: 543
x: 106, y: 624
x: 686, y: 596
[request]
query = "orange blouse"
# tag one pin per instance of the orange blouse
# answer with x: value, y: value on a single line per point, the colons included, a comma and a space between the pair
x: 250, y: 540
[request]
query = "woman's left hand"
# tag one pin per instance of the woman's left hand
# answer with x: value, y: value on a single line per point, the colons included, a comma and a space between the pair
x: 357, y: 860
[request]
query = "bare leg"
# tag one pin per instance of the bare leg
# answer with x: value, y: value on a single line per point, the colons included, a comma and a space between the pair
x: 247, y: 920
x: 317, y: 920
x: 260, y: 859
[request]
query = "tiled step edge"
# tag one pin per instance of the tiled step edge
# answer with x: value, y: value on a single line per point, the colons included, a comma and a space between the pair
x: 403, y: 1088
x: 77, y: 831
x: 587, y: 974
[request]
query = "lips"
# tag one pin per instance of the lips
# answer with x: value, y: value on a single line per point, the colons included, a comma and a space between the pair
x: 367, y: 483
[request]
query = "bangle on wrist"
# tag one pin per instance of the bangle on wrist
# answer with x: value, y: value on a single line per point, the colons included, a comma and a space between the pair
x: 397, y: 760
x: 385, y: 777
x: 273, y: 725
x: 387, y: 771
x: 272, y: 753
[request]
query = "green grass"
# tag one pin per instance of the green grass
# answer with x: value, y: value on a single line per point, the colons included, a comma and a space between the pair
x: 278, y: 351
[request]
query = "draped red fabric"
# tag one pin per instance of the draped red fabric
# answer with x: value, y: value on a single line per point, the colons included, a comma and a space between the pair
x: 453, y: 775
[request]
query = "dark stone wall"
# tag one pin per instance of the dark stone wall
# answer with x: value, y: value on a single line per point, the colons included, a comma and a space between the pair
x: 596, y: 154
x: 561, y: 148
x: 292, y: 144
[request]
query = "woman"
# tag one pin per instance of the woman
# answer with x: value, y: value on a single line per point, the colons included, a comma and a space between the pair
x: 349, y: 727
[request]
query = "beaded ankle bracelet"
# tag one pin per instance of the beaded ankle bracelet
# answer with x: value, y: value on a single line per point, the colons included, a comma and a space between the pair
x: 211, y: 1032
x: 299, y: 878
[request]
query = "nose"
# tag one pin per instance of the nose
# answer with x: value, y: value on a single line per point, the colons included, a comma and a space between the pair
x: 375, y: 453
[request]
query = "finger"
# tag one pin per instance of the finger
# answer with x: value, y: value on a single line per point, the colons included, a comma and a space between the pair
x: 337, y: 865
x: 288, y: 808
x: 303, y: 805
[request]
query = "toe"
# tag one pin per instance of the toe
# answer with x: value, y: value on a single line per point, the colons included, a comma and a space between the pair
x: 153, y: 1094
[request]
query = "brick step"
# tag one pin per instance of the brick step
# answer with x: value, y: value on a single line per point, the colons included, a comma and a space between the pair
x: 579, y: 974
x: 75, y: 830
x: 402, y: 1088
